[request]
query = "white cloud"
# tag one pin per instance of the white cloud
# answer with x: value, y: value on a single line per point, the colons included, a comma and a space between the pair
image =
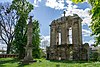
x: 35, y: 2
x: 84, y: 14
x: 90, y: 42
x: 59, y: 4
x: 75, y: 6
x: 45, y: 41
x: 45, y: 38
x: 55, y: 4
x: 71, y: 9
x: 69, y: 2
x: 86, y: 32
x: 87, y: 20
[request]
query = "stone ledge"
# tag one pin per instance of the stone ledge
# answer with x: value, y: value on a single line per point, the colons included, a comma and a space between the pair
x: 27, y: 62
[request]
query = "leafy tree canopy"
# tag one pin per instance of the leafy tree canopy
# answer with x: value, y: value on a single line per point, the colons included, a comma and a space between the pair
x: 23, y: 9
x: 36, y: 40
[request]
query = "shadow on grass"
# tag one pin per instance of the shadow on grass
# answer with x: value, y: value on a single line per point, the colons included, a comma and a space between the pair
x: 8, y: 61
x: 2, y: 65
x: 71, y: 61
x: 13, y: 60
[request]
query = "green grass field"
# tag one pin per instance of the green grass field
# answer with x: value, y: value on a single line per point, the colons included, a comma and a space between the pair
x: 9, y: 62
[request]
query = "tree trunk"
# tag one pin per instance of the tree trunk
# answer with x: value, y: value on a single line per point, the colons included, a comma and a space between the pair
x: 8, y: 48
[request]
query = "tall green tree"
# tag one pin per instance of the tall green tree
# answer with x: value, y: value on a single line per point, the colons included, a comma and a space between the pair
x: 36, y: 40
x: 23, y: 9
x: 95, y: 24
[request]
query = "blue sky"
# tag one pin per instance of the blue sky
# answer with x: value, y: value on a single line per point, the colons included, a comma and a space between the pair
x: 46, y: 11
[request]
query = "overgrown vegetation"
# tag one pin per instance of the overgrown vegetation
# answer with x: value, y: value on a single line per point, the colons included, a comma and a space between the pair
x: 9, y: 62
x: 23, y: 9
x: 36, y: 40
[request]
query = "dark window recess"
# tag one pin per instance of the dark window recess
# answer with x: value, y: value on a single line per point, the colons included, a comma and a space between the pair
x: 51, y: 30
x: 57, y: 43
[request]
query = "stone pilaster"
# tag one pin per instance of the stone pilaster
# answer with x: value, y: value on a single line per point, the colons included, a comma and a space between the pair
x: 63, y: 34
x: 53, y: 36
x: 75, y: 39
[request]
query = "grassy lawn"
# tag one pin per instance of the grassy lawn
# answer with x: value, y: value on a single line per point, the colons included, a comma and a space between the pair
x: 10, y: 62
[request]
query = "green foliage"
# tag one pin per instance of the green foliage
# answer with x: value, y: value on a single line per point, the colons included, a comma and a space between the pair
x: 77, y: 1
x: 20, y: 37
x: 36, y: 40
x: 94, y: 56
x: 43, y: 55
x: 10, y: 62
x: 98, y: 53
x: 95, y: 24
x: 23, y: 8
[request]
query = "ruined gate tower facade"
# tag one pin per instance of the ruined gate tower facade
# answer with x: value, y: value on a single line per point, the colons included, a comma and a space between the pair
x: 60, y: 46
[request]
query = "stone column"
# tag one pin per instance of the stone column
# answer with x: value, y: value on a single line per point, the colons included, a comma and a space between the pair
x: 67, y: 35
x: 52, y: 35
x: 76, y: 33
x: 51, y: 30
x: 75, y: 41
x: 28, y: 57
x: 64, y: 30
x: 57, y: 31
x: 76, y: 38
x: 80, y: 31
x: 63, y: 34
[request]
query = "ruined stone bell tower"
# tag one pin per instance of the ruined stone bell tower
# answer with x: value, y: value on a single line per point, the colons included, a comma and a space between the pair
x: 62, y: 26
x: 60, y: 46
